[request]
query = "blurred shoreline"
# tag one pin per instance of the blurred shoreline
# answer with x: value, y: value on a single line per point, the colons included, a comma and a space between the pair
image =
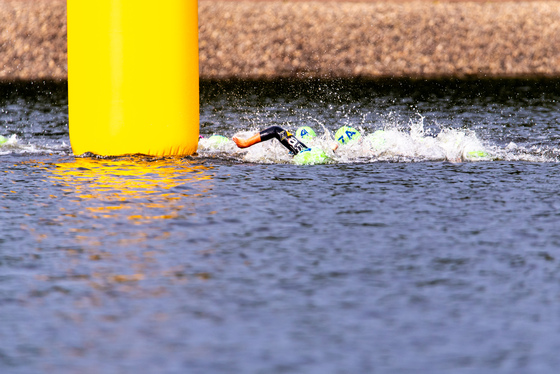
x: 268, y: 39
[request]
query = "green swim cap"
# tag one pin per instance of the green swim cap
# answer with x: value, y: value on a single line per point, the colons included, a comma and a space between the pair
x: 217, y: 140
x: 476, y: 154
x: 377, y: 139
x: 347, y: 135
x: 3, y: 140
x: 311, y: 156
x: 305, y: 133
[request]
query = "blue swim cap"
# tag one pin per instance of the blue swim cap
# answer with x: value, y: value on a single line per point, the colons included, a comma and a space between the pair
x: 346, y: 135
x: 305, y: 133
x: 311, y: 156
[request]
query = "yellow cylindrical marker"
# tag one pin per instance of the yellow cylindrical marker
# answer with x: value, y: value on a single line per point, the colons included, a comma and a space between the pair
x: 133, y: 77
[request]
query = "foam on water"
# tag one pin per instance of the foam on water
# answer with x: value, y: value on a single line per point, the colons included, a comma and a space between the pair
x: 390, y: 143
x: 14, y: 145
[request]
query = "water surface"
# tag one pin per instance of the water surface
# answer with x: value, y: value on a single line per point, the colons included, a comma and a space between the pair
x: 406, y: 260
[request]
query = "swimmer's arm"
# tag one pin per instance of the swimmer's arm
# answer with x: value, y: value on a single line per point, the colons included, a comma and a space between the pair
x: 266, y: 134
x: 244, y: 143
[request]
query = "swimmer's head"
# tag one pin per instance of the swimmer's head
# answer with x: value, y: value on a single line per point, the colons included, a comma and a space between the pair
x: 214, y: 142
x: 218, y: 139
x: 347, y: 135
x: 305, y: 133
x: 3, y: 140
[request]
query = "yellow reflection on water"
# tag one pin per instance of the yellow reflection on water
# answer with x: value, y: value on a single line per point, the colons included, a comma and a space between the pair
x: 96, y: 196
x: 136, y: 190
x: 136, y: 186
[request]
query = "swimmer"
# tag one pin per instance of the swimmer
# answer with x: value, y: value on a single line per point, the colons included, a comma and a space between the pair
x: 288, y: 140
x: 284, y: 137
x: 303, y: 155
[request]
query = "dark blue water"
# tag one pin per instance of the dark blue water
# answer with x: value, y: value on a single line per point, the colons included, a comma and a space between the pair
x: 413, y: 259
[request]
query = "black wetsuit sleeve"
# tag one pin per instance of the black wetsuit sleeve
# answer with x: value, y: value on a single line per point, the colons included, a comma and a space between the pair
x: 288, y: 140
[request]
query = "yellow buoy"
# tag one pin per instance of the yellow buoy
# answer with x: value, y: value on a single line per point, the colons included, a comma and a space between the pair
x: 133, y: 77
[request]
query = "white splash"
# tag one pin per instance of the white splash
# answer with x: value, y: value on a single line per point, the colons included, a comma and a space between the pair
x: 13, y: 144
x: 9, y: 144
x: 390, y: 143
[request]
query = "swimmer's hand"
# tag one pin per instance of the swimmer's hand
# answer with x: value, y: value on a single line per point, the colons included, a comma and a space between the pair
x: 334, y: 146
x: 241, y: 143
x: 244, y: 143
